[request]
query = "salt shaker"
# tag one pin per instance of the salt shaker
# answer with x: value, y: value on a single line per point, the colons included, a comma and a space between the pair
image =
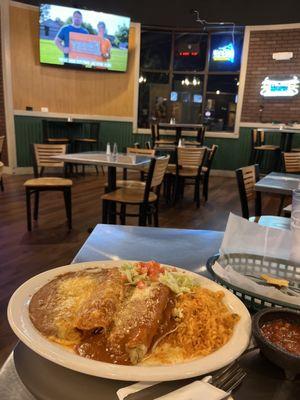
x: 108, y: 151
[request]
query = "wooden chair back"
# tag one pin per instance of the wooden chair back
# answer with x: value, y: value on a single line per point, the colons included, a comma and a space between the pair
x: 154, y: 131
x: 143, y: 152
x: 188, y: 157
x: 291, y: 162
x: 159, y: 171
x: 43, y: 153
x: 2, y: 138
x: 210, y: 157
x: 247, y: 178
x: 201, y: 135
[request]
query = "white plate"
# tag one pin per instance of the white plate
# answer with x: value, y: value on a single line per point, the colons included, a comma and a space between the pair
x: 19, y: 320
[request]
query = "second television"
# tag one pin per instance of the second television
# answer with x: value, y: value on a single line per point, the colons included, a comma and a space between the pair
x: 73, y: 37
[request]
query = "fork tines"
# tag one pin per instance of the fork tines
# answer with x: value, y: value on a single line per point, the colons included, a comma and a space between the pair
x: 229, y: 378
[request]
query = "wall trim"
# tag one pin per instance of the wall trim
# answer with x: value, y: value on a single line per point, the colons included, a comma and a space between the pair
x: 242, y: 80
x: 41, y: 114
x: 274, y: 27
x: 266, y: 125
x: 7, y: 84
x: 137, y: 74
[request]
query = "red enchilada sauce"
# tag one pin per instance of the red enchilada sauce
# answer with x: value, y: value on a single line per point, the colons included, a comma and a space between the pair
x: 283, y: 333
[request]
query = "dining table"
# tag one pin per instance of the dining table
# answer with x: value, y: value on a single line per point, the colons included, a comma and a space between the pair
x: 28, y: 376
x: 278, y: 183
x: 111, y: 161
x: 287, y: 134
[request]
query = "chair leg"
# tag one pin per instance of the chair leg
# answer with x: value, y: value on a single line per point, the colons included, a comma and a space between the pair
x: 36, y: 205
x: 1, y: 184
x: 149, y: 216
x: 105, y: 205
x: 28, y: 208
x: 197, y: 192
x: 142, y: 215
x: 97, y: 170
x: 182, y: 183
x: 83, y: 170
x: 205, y: 187
x: 282, y: 198
x: 156, y: 222
x: 68, y: 205
x: 123, y: 214
x: 102, y: 169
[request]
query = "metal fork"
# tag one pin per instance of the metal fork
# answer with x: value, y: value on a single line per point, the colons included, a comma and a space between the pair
x: 229, y: 378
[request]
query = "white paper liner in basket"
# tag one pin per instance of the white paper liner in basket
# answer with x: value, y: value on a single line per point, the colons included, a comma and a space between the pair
x: 242, y: 236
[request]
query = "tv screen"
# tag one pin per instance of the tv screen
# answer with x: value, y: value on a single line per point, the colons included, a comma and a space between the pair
x: 72, y: 37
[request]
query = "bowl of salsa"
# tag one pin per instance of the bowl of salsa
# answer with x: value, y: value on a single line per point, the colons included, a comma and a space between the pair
x: 277, y: 333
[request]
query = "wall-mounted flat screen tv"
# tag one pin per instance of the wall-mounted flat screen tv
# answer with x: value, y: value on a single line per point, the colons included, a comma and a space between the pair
x: 72, y: 37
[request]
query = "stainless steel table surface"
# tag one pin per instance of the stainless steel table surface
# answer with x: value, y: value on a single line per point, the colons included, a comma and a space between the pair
x: 25, y: 372
x: 180, y: 247
x: 278, y: 183
x: 132, y: 161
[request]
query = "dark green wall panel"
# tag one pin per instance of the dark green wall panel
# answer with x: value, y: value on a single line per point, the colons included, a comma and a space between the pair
x: 28, y: 130
x: 232, y: 153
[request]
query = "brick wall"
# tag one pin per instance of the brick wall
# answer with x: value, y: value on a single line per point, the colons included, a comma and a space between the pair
x: 260, y: 64
x: 2, y: 113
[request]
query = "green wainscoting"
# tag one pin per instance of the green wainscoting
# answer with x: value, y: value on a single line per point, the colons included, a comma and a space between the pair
x: 232, y: 153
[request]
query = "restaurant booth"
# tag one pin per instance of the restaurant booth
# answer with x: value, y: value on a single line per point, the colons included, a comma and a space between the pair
x: 170, y: 133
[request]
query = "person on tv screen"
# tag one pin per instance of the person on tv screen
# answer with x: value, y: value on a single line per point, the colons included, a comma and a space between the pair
x: 105, y: 45
x: 62, y: 39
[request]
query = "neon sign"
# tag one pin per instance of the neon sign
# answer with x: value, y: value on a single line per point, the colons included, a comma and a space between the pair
x: 280, y: 87
x: 224, y: 53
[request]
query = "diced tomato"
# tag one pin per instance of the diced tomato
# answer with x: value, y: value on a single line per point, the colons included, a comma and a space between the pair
x: 140, y: 284
x: 151, y: 268
x: 124, y: 278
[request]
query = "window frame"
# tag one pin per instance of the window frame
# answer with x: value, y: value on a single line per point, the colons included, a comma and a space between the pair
x: 204, y: 73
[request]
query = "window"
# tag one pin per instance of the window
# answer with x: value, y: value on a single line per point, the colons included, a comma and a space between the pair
x: 191, y: 76
x: 220, y: 103
x: 189, y: 52
x: 156, y: 50
x: 225, y: 52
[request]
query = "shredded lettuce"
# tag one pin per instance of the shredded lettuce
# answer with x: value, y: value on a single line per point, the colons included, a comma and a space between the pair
x: 132, y: 274
x: 178, y: 282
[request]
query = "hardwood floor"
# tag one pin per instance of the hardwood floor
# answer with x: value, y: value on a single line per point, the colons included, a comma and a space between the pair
x: 50, y: 245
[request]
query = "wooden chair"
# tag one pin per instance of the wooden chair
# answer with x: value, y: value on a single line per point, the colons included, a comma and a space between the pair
x: 42, y: 159
x: 246, y: 179
x: 206, y: 169
x: 2, y: 138
x: 157, y: 142
x: 131, y: 183
x: 199, y: 141
x: 259, y: 148
x: 189, y: 167
x: 291, y: 162
x: 146, y: 198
